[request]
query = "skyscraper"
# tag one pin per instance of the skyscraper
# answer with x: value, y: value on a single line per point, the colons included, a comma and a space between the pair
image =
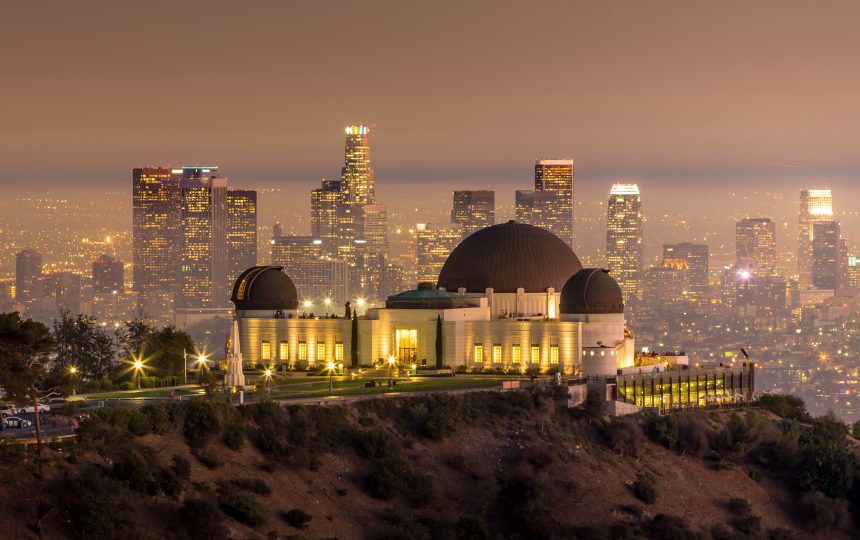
x: 204, y: 238
x: 825, y: 255
x: 108, y: 275
x: 324, y: 215
x: 241, y: 231
x: 28, y: 276
x: 624, y: 244
x: 433, y: 245
x: 693, y: 259
x: 556, y: 176
x: 357, y: 189
x: 755, y: 246
x: 371, y: 251
x: 533, y: 206
x: 815, y: 205
x: 473, y: 210
x: 156, y: 237
x: 288, y: 250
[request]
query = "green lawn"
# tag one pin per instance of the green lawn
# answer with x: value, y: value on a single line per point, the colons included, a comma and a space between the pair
x: 145, y: 393
x: 356, y: 387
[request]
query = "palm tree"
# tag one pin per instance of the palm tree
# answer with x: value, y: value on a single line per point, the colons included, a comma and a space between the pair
x: 25, y: 349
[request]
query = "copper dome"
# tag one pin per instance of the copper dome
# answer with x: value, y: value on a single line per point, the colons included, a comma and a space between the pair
x: 591, y: 291
x: 264, y: 288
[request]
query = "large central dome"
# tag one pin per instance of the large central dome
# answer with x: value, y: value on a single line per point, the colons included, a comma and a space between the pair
x: 509, y: 256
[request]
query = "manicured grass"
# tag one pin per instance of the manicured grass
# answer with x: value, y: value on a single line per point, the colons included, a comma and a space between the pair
x: 145, y: 393
x: 356, y: 387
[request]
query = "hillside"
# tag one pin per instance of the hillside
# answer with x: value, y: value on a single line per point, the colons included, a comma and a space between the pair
x: 479, y: 465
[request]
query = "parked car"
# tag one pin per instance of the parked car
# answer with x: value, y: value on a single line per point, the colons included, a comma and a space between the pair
x: 370, y: 384
x: 16, y: 422
x: 7, y: 410
x: 29, y: 409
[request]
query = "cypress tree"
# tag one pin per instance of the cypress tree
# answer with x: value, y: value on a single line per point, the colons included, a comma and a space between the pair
x: 353, y: 346
x: 439, y: 345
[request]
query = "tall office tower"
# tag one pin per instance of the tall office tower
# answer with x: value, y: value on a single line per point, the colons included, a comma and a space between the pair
x: 533, y: 206
x: 474, y: 210
x: 755, y: 246
x: 371, y: 251
x: 241, y: 232
x: 694, y: 260
x: 624, y: 245
x: 157, y: 237
x: 843, y: 281
x: 277, y: 229
x: 815, y: 205
x: 288, y: 250
x: 324, y: 215
x: 204, y: 238
x: 108, y: 275
x: 65, y: 289
x: 28, y: 276
x: 356, y: 190
x: 556, y: 176
x: 433, y: 245
x: 318, y: 280
x: 825, y: 255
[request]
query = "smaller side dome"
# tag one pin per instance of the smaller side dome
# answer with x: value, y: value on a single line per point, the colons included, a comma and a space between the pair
x: 264, y: 288
x: 591, y: 291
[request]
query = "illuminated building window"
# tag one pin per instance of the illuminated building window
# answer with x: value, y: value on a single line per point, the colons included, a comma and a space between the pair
x: 321, y: 351
x: 338, y: 352
x: 479, y: 353
x: 266, y: 351
x: 535, y: 354
x: 553, y: 354
x: 497, y: 354
x: 284, y: 352
x: 515, y: 354
x: 303, y: 351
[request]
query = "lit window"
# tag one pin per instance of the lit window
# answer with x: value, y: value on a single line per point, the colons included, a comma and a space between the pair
x: 284, y: 353
x: 303, y: 351
x: 266, y: 351
x: 497, y: 354
x: 553, y: 354
x: 535, y: 354
x: 321, y: 351
x: 338, y: 352
x: 479, y: 353
x: 515, y: 354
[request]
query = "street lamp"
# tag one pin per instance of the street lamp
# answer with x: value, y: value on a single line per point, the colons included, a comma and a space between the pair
x: 73, y: 370
x: 391, y: 361
x: 138, y: 368
x: 330, y: 376
x: 327, y: 303
x: 268, y: 374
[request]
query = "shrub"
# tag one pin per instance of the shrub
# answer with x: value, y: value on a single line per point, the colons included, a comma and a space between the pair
x: 780, y: 452
x: 665, y: 527
x: 201, y: 422
x: 625, y: 437
x: 826, y: 469
x: 234, y: 435
x: 209, y: 460
x: 471, y: 528
x: 377, y: 443
x: 202, y: 519
x: 254, y: 485
x: 243, y: 508
x: 296, y: 518
x: 621, y: 530
x: 662, y: 429
x: 781, y: 534
x: 749, y: 525
x: 789, y: 407
x: 738, y: 506
x: 182, y: 468
x: 821, y: 513
x: 644, y: 489
x: 742, y: 433
x: 693, y: 436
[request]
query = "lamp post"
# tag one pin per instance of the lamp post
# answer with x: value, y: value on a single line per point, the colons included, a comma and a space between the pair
x: 327, y: 303
x: 73, y: 371
x: 391, y: 361
x: 330, y: 378
x: 138, y: 368
x: 201, y: 363
x: 268, y: 374
x: 185, y: 361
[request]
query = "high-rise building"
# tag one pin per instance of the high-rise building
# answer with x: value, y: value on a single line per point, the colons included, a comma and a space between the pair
x: 204, y: 238
x: 815, y: 205
x: 533, y: 206
x: 28, y: 276
x: 325, y: 201
x: 288, y: 250
x: 371, y: 251
x: 65, y: 289
x: 474, y: 210
x: 108, y: 275
x: 556, y: 176
x: 241, y: 231
x: 156, y: 237
x: 433, y: 245
x: 624, y: 243
x: 357, y: 189
x: 322, y: 283
x: 755, y: 246
x: 825, y: 255
x: 692, y: 259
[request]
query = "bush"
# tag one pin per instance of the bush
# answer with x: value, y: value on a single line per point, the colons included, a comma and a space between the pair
x: 821, y: 513
x: 662, y: 429
x: 749, y: 525
x: 742, y: 433
x: 621, y: 530
x: 209, y: 460
x: 644, y: 489
x: 296, y: 518
x: 234, y: 435
x: 693, y: 436
x: 201, y: 422
x: 471, y: 528
x: 254, y: 485
x: 202, y: 519
x: 243, y: 508
x: 665, y: 527
x: 625, y: 437
x: 826, y: 469
x: 788, y: 407
x: 738, y: 506
x: 182, y: 468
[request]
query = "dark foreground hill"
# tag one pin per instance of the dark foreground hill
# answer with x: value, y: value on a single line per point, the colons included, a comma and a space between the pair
x: 474, y: 466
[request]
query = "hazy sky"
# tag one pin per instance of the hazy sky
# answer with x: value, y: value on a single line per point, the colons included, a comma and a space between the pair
x: 467, y: 93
